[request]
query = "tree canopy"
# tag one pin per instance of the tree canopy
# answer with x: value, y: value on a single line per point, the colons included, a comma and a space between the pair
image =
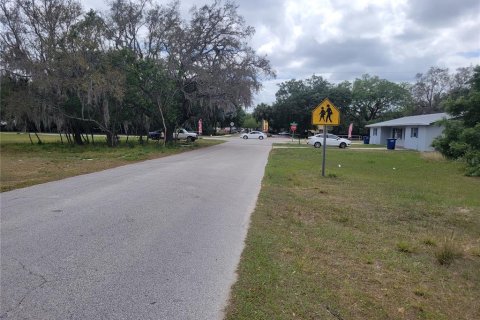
x: 366, y: 100
x: 461, y: 138
x: 360, y: 102
x: 138, y: 66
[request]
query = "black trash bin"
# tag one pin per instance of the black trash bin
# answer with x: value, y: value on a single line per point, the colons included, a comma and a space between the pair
x: 391, y: 144
x: 366, y: 140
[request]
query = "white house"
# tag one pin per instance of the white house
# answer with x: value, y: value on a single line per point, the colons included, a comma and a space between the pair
x: 415, y: 132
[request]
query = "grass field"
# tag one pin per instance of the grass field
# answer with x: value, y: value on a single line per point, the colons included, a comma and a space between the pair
x: 23, y: 164
x: 385, y: 235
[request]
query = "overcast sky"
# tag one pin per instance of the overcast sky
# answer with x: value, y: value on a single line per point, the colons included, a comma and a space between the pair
x: 343, y: 39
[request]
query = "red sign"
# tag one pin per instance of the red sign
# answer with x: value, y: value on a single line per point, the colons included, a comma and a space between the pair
x: 293, y: 127
x: 200, y: 127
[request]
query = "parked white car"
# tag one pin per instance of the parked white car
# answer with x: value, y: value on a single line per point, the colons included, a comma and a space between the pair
x: 183, y: 134
x: 180, y: 134
x: 332, y: 140
x: 253, y: 135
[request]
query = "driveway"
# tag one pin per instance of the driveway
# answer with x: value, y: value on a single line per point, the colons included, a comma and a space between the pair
x: 159, y: 239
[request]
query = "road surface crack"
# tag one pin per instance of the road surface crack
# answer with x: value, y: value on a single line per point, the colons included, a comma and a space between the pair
x: 43, y: 281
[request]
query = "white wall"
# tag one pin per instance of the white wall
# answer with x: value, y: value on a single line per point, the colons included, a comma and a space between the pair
x: 412, y: 142
x: 431, y: 133
x: 383, y: 133
x: 386, y: 134
x: 375, y: 139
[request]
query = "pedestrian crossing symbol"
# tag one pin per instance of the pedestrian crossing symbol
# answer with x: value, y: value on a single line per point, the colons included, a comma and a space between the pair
x: 326, y: 114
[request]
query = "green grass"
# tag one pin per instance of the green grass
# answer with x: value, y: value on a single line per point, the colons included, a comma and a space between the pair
x: 25, y: 164
x: 21, y: 137
x: 303, y: 144
x: 363, y: 242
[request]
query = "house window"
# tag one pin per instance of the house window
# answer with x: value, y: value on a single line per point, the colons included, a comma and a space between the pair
x: 414, y: 133
x: 397, y: 133
x: 374, y: 131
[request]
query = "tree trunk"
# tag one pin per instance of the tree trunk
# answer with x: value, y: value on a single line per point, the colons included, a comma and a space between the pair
x: 167, y: 135
x: 38, y: 138
x: 67, y: 136
x: 112, y: 139
x: 77, y: 138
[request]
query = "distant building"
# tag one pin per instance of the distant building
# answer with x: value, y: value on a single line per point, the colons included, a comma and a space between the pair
x: 415, y: 132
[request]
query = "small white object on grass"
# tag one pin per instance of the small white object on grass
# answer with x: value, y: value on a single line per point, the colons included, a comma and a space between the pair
x: 394, y: 169
x: 339, y: 165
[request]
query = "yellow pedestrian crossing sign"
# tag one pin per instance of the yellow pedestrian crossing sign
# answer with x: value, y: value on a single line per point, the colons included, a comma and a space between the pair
x: 326, y: 114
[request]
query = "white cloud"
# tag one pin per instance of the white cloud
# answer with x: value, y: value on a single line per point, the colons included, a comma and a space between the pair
x: 393, y: 39
x: 342, y: 39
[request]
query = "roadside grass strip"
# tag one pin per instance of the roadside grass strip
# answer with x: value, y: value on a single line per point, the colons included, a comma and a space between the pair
x: 385, y: 235
x: 24, y: 164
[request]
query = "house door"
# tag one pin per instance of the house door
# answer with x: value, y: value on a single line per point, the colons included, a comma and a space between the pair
x: 399, y: 134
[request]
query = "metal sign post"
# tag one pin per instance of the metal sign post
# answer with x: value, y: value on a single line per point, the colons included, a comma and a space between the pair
x: 324, y: 147
x: 325, y: 114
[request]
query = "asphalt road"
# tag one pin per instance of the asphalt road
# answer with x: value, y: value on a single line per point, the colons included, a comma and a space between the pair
x: 159, y: 239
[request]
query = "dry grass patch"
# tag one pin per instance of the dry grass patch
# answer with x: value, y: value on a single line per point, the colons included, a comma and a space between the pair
x: 432, y: 156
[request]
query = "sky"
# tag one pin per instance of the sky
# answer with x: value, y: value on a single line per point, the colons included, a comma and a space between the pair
x: 344, y: 39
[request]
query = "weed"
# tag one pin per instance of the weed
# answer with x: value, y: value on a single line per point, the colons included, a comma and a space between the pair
x: 420, y: 292
x: 405, y: 247
x: 475, y: 252
x: 448, y: 252
x: 341, y: 219
x: 429, y: 242
x: 433, y: 156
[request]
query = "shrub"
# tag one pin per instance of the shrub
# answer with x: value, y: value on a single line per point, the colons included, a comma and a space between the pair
x: 447, y: 252
x: 461, y: 137
x: 472, y: 159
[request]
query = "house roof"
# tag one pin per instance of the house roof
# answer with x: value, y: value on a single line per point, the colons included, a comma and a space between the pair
x: 421, y: 120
